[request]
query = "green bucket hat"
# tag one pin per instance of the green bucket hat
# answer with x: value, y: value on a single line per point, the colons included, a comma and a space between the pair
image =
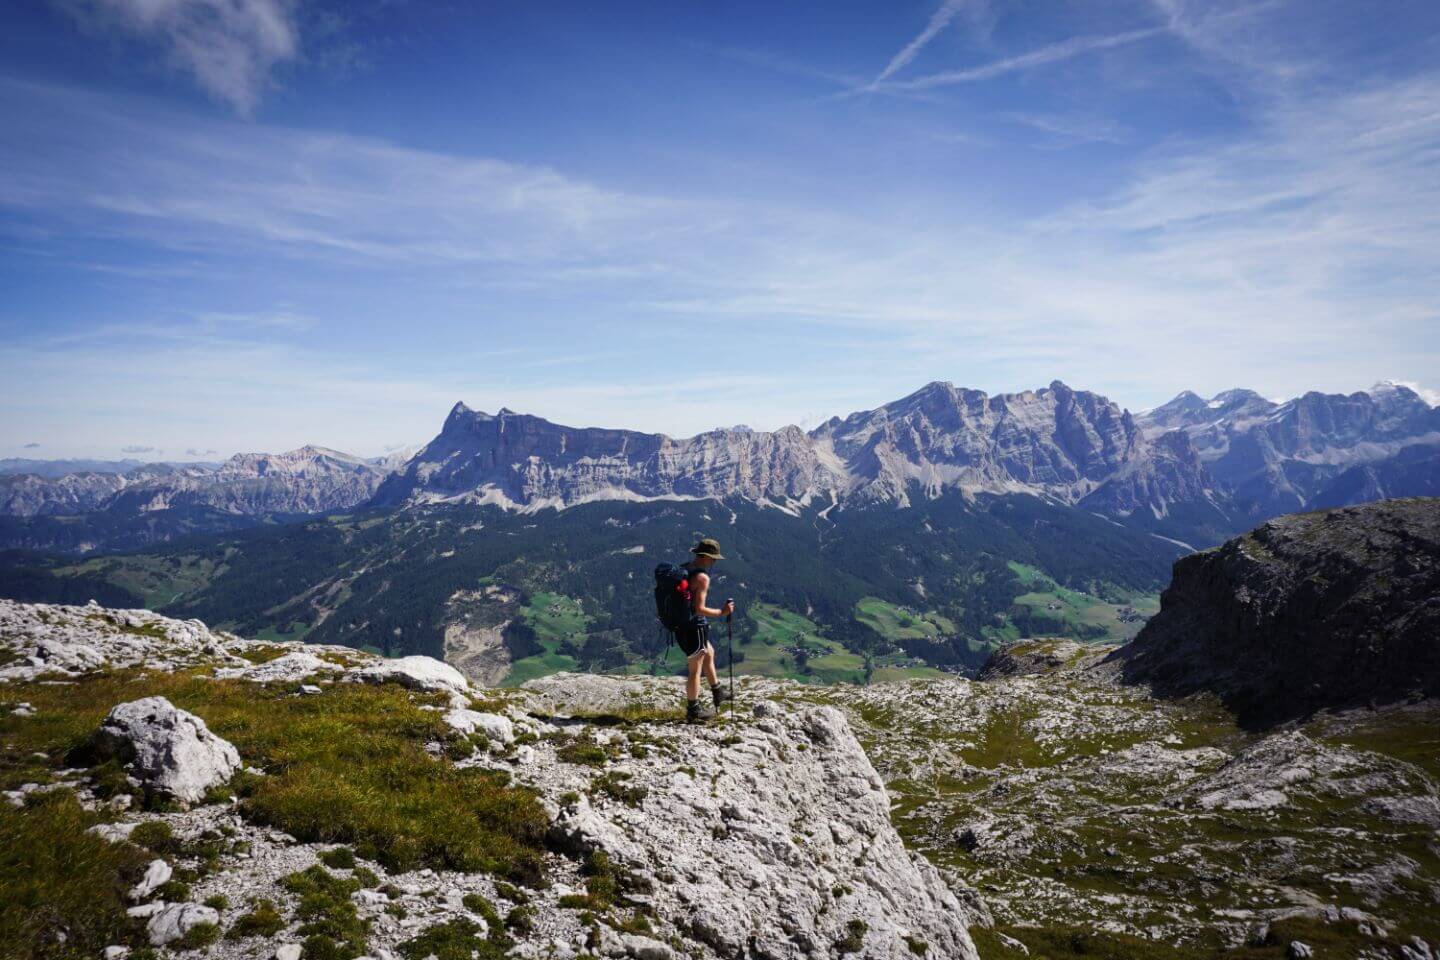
x: 707, y: 548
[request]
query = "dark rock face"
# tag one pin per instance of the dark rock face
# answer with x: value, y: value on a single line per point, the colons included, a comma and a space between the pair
x: 1331, y: 609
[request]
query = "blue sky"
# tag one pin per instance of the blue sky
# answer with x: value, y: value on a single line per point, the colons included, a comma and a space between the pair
x: 251, y: 224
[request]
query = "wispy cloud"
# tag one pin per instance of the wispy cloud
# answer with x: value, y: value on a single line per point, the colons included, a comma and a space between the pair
x: 1070, y: 129
x: 139, y: 449
x: 939, y: 20
x: 787, y: 65
x: 190, y: 184
x: 229, y: 47
x: 32, y: 446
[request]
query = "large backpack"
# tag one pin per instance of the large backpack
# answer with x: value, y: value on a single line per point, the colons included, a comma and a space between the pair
x: 672, y: 597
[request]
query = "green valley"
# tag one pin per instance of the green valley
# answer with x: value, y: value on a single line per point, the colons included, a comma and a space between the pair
x: 841, y: 596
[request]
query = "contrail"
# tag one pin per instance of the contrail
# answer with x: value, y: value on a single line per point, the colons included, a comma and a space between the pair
x: 939, y: 20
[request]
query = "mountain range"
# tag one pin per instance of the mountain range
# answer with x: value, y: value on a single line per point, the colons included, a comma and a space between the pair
x: 1195, y: 470
x: 1192, y: 470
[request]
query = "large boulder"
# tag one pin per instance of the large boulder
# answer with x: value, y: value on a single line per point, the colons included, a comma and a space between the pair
x: 1315, y: 610
x: 169, y: 750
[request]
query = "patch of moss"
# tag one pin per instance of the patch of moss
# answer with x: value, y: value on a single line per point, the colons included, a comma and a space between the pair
x: 155, y: 835
x: 583, y: 751
x: 511, y: 892
x: 263, y: 653
x: 521, y: 919
x: 484, y: 909
x: 173, y: 891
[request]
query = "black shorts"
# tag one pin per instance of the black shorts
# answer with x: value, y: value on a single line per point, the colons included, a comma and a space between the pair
x: 692, y: 639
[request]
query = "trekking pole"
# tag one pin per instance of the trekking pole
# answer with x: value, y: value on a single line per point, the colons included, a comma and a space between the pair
x: 730, y: 649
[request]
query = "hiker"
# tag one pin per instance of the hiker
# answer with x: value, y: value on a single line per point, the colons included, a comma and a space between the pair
x: 694, y: 637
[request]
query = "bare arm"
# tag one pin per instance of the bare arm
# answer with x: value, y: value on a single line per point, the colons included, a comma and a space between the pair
x: 702, y: 587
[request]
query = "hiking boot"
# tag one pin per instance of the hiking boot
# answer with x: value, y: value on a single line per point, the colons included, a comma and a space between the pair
x: 720, y: 695
x: 697, y: 712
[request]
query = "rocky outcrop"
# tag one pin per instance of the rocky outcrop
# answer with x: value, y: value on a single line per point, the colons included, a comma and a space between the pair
x: 1037, y: 656
x: 768, y: 838
x: 1077, y: 804
x: 417, y: 673
x: 590, y: 695
x: 46, y: 640
x: 52, y: 641
x: 169, y: 751
x: 1308, y: 611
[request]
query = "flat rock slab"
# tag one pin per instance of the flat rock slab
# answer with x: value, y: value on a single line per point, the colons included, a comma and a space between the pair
x: 588, y: 694
x: 416, y: 673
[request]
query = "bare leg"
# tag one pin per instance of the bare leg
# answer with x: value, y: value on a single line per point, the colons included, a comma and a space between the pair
x: 692, y: 679
x: 710, y: 674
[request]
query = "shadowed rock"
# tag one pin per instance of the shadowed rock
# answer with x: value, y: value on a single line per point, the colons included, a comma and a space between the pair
x: 1308, y: 611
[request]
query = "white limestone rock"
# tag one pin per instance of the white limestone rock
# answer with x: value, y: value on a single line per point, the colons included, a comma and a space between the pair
x: 156, y: 875
x: 497, y: 729
x: 416, y: 673
x: 288, y: 668
x: 771, y: 849
x: 176, y: 919
x: 53, y: 640
x: 168, y: 749
x: 588, y: 694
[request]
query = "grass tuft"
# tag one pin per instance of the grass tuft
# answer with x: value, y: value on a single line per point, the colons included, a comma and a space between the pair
x: 333, y: 928
x: 56, y: 877
x: 342, y: 858
x: 458, y: 939
x: 263, y: 920
x: 854, y: 939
